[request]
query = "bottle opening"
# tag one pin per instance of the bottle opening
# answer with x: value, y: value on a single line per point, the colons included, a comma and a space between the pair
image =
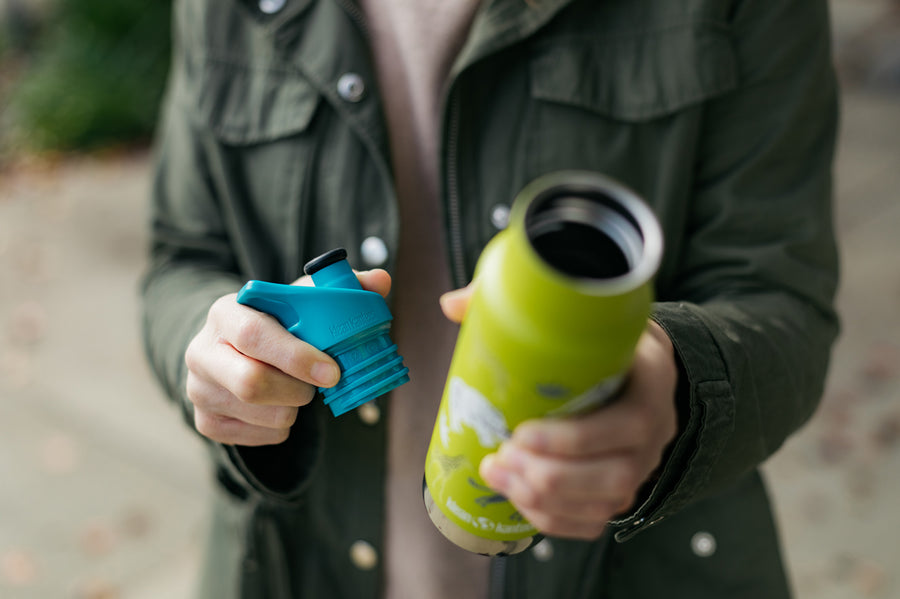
x: 586, y: 236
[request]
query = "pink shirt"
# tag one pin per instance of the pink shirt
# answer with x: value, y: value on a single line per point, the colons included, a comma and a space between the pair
x: 414, y: 44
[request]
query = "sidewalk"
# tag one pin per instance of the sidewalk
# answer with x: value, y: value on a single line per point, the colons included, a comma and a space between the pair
x: 103, y: 486
x: 836, y: 483
x: 103, y: 493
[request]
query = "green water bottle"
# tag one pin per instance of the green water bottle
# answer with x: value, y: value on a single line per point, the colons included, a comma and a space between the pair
x: 562, y: 296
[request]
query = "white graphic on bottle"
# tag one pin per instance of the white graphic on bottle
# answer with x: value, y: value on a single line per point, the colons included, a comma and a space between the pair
x: 467, y: 407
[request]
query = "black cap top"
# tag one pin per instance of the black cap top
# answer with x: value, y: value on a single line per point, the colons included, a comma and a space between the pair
x: 326, y: 259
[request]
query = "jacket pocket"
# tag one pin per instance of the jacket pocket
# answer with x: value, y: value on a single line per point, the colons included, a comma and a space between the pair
x: 626, y: 104
x: 227, y: 559
x: 257, y: 122
x: 639, y: 76
x: 725, y: 546
x: 247, y: 105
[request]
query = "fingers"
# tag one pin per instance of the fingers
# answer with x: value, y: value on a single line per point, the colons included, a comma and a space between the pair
x: 569, y: 476
x: 232, y: 431
x: 455, y: 303
x: 251, y: 379
x: 642, y: 418
x: 377, y: 280
x: 222, y: 417
x: 564, y: 497
x: 241, y: 401
x: 612, y: 479
x: 261, y: 337
x: 247, y: 376
x: 618, y: 427
x: 248, y: 381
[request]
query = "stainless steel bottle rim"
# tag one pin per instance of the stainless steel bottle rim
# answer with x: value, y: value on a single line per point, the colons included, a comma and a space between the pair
x: 609, y: 209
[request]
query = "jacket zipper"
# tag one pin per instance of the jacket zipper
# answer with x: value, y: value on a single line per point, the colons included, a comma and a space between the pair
x: 457, y: 255
x: 356, y: 14
x: 497, y: 581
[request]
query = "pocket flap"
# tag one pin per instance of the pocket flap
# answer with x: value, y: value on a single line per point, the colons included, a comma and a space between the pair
x: 244, y: 105
x: 636, y: 76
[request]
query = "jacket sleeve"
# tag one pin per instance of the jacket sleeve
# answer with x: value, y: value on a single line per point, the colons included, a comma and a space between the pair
x: 751, y: 313
x: 192, y: 263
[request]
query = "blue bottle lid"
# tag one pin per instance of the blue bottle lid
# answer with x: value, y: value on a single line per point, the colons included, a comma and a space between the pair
x: 342, y: 319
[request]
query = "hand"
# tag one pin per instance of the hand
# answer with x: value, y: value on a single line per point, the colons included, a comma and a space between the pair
x: 570, y: 476
x: 247, y: 376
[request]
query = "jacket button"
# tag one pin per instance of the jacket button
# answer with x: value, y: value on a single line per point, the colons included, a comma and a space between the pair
x: 703, y: 544
x: 363, y: 555
x: 270, y: 7
x: 374, y: 251
x: 351, y: 87
x: 543, y: 551
x: 500, y: 216
x: 369, y: 413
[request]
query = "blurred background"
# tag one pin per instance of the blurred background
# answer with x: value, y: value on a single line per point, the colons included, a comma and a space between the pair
x: 103, y: 487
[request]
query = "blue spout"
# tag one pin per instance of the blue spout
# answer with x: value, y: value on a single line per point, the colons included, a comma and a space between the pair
x: 340, y: 318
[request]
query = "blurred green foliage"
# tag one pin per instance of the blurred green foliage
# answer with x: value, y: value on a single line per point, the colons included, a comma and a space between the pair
x: 94, y: 75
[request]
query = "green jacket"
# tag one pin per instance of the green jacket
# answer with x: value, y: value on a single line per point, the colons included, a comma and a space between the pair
x: 722, y: 114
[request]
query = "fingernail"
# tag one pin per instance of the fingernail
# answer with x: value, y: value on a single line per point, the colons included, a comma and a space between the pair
x: 325, y: 374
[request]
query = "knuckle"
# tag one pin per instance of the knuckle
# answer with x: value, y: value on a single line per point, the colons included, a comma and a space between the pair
x: 251, y: 381
x: 190, y: 358
x: 545, y: 480
x: 193, y: 354
x: 220, y: 307
x: 248, y: 332
x: 193, y: 389
x: 527, y: 497
x: 623, y: 481
x: 283, y: 418
x: 209, y: 425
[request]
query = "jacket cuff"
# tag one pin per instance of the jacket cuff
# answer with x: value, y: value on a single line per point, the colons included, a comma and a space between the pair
x: 277, y: 473
x: 706, y: 418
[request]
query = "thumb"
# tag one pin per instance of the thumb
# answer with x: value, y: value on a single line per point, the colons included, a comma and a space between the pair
x: 377, y: 280
x: 455, y: 303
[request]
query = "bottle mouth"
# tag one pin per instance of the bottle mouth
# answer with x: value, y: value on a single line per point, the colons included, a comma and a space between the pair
x: 594, y: 230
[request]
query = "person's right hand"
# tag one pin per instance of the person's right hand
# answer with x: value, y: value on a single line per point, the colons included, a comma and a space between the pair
x: 247, y: 376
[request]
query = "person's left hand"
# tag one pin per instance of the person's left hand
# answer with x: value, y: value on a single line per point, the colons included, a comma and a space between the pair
x: 570, y: 476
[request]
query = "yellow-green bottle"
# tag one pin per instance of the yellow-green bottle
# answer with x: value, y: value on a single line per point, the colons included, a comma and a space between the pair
x: 561, y: 297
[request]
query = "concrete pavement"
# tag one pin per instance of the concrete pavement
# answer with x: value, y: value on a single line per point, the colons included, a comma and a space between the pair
x: 103, y: 488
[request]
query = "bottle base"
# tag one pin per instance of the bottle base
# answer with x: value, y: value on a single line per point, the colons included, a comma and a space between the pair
x: 466, y: 540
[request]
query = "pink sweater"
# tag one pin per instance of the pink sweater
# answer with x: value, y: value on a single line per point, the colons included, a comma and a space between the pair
x: 414, y: 44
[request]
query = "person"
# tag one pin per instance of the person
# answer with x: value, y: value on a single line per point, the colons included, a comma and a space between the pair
x: 402, y: 131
